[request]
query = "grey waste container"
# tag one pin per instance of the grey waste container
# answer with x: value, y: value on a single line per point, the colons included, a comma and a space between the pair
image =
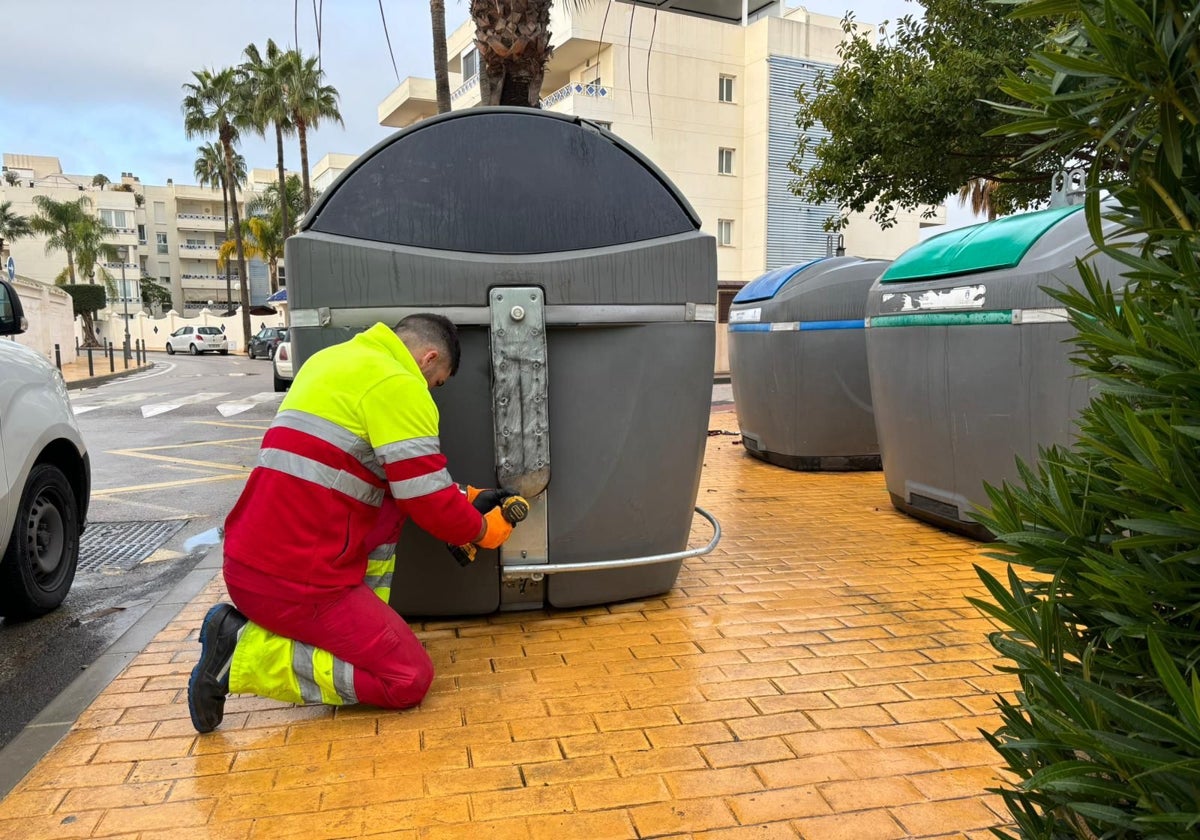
x: 798, y: 365
x: 969, y: 359
x: 584, y: 292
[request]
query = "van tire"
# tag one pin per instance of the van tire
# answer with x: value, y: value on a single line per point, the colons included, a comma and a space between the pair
x: 281, y: 385
x: 39, y: 564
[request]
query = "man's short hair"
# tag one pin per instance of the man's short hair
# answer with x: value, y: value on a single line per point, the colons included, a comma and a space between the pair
x: 436, y: 331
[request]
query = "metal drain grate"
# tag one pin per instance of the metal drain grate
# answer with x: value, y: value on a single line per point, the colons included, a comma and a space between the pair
x: 122, y: 545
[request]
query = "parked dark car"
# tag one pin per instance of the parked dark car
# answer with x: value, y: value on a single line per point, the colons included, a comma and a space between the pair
x: 265, y: 342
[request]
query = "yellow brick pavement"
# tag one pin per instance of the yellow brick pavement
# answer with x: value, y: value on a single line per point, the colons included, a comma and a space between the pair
x: 819, y: 676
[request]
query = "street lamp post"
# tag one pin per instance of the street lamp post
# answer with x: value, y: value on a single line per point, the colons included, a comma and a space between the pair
x: 123, y: 253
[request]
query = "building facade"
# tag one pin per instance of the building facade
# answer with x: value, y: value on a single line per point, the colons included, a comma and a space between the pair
x: 173, y: 232
x: 711, y: 103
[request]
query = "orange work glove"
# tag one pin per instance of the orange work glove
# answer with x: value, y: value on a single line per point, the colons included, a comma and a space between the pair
x: 498, y: 529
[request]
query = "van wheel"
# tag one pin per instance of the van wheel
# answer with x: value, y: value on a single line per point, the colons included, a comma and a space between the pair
x: 281, y: 385
x: 192, y: 349
x: 39, y: 564
x: 223, y: 352
x: 170, y: 349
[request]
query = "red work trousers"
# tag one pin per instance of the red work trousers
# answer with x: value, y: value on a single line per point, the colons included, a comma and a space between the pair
x: 391, y: 668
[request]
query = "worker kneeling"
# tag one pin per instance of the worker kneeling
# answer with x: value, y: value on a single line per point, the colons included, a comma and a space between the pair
x: 310, y: 544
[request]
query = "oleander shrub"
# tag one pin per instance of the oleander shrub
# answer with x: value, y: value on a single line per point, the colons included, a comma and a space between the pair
x: 1099, y: 616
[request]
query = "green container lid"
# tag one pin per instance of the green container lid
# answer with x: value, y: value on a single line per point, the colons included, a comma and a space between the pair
x: 983, y: 247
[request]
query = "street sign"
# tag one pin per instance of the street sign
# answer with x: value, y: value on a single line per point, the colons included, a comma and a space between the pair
x: 12, y: 268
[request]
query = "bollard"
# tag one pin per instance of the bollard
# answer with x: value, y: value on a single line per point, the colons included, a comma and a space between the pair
x: 57, y: 357
x: 112, y: 360
x: 91, y: 369
x: 137, y: 352
x: 125, y: 352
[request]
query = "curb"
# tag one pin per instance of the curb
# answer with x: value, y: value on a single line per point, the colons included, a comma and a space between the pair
x: 40, y: 735
x: 101, y: 378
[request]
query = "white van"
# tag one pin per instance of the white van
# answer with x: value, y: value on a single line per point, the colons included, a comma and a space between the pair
x: 45, y: 475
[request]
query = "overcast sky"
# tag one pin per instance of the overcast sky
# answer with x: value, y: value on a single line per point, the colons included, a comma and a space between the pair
x: 97, y: 83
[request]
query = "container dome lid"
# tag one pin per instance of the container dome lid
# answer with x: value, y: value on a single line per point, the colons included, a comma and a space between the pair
x: 769, y: 284
x: 989, y: 246
x: 503, y: 181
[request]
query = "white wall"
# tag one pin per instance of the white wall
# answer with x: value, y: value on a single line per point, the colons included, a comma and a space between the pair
x: 51, y: 319
x: 154, y: 331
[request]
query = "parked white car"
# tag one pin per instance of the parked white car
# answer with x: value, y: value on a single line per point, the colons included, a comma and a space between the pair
x: 197, y: 340
x: 283, y: 366
x: 45, y: 476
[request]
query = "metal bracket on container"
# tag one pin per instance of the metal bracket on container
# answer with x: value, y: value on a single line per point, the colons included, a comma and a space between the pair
x: 536, y: 571
x: 520, y: 406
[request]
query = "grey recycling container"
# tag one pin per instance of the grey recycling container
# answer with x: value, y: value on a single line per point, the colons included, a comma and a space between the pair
x: 585, y: 297
x: 798, y: 365
x: 970, y: 359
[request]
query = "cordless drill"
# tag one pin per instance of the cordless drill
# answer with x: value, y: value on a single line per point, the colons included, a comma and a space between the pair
x: 514, y: 509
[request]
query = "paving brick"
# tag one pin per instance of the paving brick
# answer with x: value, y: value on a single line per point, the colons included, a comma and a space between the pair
x: 177, y: 816
x: 520, y: 803
x: 681, y: 817
x: 774, y: 805
x: 741, y: 753
x: 929, y: 819
x: 569, y: 770
x: 666, y: 760
x: 699, y: 783
x: 876, y: 825
x: 862, y: 795
x: 115, y: 796
x: 613, y: 743
x: 604, y: 825
x: 619, y: 793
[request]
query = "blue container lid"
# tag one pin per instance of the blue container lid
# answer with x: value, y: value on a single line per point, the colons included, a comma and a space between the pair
x: 769, y: 284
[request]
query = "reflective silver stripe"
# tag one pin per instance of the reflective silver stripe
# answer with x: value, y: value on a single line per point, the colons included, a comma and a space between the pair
x: 422, y: 485
x: 302, y: 665
x: 327, y: 430
x: 343, y: 681
x: 383, y: 552
x: 402, y: 450
x: 321, y: 474
x: 377, y: 581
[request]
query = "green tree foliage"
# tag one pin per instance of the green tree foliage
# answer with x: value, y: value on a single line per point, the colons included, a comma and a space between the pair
x: 267, y: 75
x: 153, y: 293
x: 13, y: 226
x: 218, y: 102
x: 908, y: 116
x: 60, y: 223
x: 1104, y: 733
x: 86, y: 299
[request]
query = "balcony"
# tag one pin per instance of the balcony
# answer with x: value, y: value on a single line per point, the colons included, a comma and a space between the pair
x: 585, y: 100
x: 414, y: 100
x: 199, y: 252
x: 462, y: 96
x: 200, y: 221
x: 209, y: 278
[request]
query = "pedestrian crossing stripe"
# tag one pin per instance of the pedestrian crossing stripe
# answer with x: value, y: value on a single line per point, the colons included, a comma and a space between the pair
x: 229, y: 409
x: 162, y: 408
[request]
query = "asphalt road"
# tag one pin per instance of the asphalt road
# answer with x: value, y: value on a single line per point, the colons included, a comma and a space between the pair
x: 170, y: 451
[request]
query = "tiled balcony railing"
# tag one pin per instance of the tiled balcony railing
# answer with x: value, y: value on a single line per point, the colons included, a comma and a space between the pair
x: 201, y: 217
x: 574, y: 89
x: 465, y: 88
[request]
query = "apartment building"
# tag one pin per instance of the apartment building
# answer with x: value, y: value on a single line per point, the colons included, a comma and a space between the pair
x: 711, y: 102
x: 173, y: 232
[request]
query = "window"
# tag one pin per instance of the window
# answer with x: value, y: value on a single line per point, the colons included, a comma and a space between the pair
x: 161, y: 240
x: 725, y: 233
x: 196, y: 243
x: 141, y: 234
x: 725, y: 88
x: 470, y: 64
x: 160, y: 212
x: 725, y: 161
x: 114, y: 218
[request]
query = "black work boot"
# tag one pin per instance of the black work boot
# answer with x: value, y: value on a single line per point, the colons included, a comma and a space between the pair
x: 209, y: 682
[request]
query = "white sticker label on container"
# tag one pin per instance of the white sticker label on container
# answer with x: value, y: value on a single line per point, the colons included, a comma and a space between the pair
x: 745, y: 315
x: 960, y: 297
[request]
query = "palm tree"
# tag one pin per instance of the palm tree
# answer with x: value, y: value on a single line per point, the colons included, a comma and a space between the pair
x: 100, y: 181
x: 441, y: 75
x: 209, y: 170
x: 59, y: 222
x: 513, y: 39
x: 13, y: 226
x: 311, y: 102
x: 262, y: 239
x: 978, y: 194
x: 267, y: 75
x: 216, y: 104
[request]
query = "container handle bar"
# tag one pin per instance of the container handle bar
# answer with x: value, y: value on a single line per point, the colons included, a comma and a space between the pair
x: 537, y: 569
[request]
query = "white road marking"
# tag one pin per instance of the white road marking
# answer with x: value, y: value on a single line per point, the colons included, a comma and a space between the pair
x: 156, y: 409
x: 229, y: 409
x: 105, y: 402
